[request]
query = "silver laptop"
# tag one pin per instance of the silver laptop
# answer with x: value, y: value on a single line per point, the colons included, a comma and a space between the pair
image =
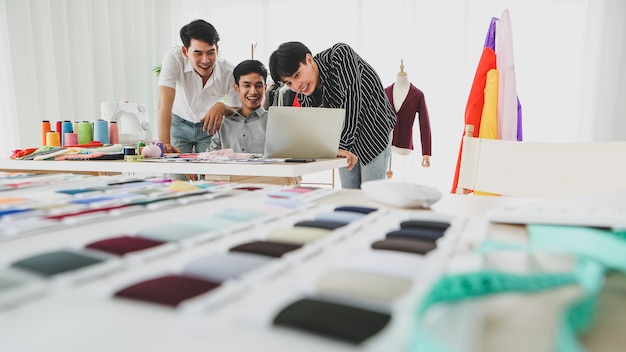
x: 303, y: 133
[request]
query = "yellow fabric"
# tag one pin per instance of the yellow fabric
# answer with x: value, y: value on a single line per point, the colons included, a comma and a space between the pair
x: 182, y: 186
x: 489, y: 119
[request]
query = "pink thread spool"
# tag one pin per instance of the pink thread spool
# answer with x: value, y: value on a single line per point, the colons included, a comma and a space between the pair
x: 114, y: 134
x: 71, y: 138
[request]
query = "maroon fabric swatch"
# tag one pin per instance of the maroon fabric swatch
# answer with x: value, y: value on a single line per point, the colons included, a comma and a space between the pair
x: 169, y: 290
x: 122, y: 245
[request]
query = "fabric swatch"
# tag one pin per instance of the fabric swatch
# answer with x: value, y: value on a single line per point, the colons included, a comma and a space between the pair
x: 342, y: 217
x: 356, y: 209
x: 169, y: 290
x: 220, y: 267
x: 268, y: 248
x: 425, y: 224
x: 342, y: 322
x: 170, y: 232
x: 405, y: 245
x: 298, y: 235
x: 56, y: 262
x: 238, y: 214
x: 392, y: 263
x: 416, y: 234
x: 122, y: 245
x: 320, y: 224
x: 364, y: 285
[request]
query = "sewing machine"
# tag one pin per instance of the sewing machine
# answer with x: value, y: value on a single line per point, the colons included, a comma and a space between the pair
x: 131, y: 118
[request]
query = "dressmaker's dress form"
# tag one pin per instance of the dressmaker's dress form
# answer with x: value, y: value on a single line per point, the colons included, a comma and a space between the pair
x: 407, y: 101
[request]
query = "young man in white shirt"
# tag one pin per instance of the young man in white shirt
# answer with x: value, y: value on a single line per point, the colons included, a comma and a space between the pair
x: 196, y: 88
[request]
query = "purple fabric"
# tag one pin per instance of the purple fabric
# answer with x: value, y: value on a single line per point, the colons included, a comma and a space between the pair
x: 490, y: 40
x: 519, y: 120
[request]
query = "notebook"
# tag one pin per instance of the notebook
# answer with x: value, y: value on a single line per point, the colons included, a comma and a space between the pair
x: 299, y: 132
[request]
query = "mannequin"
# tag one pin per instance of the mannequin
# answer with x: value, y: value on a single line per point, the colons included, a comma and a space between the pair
x: 407, y: 101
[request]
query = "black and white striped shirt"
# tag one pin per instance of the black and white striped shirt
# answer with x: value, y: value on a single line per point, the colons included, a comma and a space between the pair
x: 351, y: 83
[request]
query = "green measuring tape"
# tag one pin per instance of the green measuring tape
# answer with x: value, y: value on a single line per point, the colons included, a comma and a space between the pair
x: 596, y: 251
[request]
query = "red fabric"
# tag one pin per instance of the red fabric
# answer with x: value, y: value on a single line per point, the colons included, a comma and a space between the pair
x: 475, y: 102
x: 296, y: 102
x: 18, y: 153
x: 85, y: 145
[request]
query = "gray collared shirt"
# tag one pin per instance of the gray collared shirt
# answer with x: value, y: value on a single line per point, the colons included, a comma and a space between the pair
x: 241, y: 134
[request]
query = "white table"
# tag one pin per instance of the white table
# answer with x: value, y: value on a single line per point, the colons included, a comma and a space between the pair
x: 114, y: 166
x: 87, y: 317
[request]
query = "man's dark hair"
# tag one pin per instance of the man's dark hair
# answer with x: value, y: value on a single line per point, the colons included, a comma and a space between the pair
x: 199, y: 30
x: 286, y: 60
x: 249, y: 66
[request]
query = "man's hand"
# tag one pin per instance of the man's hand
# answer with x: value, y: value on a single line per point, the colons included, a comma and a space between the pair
x: 425, y: 160
x: 168, y: 148
x: 213, y: 119
x: 352, y: 158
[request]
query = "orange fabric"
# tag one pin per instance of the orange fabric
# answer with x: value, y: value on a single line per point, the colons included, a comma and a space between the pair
x: 475, y: 102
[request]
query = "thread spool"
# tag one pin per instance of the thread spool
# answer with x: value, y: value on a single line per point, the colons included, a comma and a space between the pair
x: 85, y: 132
x: 53, y: 139
x: 101, y: 131
x: 75, y: 126
x: 66, y: 127
x: 114, y: 134
x: 45, y: 128
x: 70, y: 138
x: 58, y: 126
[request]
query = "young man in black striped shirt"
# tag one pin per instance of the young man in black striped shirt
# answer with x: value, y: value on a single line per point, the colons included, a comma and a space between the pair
x: 339, y: 78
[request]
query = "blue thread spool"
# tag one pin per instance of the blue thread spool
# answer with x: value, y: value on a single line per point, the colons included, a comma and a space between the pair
x: 101, y: 131
x: 66, y: 127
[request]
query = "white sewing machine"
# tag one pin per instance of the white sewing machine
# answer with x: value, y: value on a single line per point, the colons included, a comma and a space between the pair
x: 131, y: 118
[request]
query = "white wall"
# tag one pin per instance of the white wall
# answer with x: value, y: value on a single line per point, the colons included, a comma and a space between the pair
x: 569, y: 57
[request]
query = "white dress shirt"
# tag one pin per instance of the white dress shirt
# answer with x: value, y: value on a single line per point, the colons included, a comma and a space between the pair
x: 192, y: 100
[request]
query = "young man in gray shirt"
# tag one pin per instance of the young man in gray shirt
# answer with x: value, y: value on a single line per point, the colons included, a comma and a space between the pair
x: 244, y: 130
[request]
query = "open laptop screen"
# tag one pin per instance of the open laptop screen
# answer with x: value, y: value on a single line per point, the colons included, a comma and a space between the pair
x: 299, y: 132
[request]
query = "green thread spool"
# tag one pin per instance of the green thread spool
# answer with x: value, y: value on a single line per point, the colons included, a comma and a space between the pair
x: 85, y: 132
